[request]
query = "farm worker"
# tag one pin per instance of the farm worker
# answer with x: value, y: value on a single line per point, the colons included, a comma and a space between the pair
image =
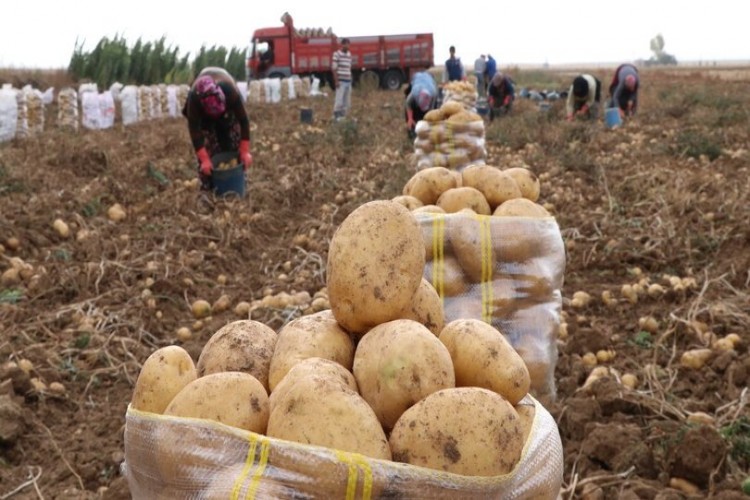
x: 623, y: 90
x: 454, y: 70
x: 480, y: 68
x: 217, y: 121
x: 421, y: 97
x: 490, y: 70
x: 584, y: 97
x: 502, y: 92
x: 342, y: 80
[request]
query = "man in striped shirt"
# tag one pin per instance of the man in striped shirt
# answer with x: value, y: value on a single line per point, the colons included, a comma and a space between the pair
x: 342, y: 80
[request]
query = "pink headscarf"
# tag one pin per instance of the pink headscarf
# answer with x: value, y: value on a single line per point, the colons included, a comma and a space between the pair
x: 211, y: 96
x: 423, y: 100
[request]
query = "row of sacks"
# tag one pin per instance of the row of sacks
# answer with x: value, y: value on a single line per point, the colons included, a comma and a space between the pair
x: 22, y: 111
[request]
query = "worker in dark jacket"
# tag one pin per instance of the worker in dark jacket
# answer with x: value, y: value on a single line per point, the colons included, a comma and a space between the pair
x: 454, y: 69
x: 421, y: 97
x: 502, y: 92
x: 584, y: 97
x: 623, y: 90
x: 217, y: 121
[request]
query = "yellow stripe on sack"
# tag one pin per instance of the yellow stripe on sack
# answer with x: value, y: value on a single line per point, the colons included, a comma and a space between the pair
x: 485, y: 243
x: 265, y: 446
x: 246, y: 469
x: 438, y: 254
x: 351, y: 483
x: 367, y: 480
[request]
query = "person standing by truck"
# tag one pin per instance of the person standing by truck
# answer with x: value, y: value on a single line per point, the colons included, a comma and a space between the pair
x: 342, y: 80
x: 217, y: 121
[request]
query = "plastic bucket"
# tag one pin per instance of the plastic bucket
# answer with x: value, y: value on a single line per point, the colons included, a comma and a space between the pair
x: 228, y: 181
x: 305, y: 115
x: 612, y: 117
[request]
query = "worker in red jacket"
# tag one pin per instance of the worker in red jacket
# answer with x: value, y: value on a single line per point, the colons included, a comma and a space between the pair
x: 217, y: 121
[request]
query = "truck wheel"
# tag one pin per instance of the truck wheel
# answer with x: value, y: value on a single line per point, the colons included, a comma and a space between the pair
x: 393, y: 79
x: 369, y: 80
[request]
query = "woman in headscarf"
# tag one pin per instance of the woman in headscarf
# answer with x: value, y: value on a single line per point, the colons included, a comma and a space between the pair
x: 217, y: 121
x: 623, y: 90
x: 421, y: 97
x: 502, y: 92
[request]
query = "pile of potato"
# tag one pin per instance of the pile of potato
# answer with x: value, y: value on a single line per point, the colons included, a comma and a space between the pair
x: 462, y: 92
x: 379, y: 374
x: 182, y: 95
x: 163, y: 99
x: 145, y: 103
x: 67, y: 109
x: 449, y: 137
x: 507, y: 269
x: 22, y: 118
x: 256, y: 92
x: 35, y: 110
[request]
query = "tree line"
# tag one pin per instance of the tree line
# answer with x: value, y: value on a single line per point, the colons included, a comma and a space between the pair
x: 148, y: 63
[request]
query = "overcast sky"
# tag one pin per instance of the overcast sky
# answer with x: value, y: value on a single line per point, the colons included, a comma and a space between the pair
x: 43, y: 34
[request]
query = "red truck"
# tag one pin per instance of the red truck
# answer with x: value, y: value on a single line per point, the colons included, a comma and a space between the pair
x: 385, y: 61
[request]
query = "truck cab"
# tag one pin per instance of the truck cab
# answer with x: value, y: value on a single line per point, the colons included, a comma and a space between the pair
x: 270, y: 54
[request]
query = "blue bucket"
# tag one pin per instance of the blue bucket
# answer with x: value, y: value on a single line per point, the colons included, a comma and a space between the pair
x: 612, y: 117
x: 305, y: 115
x: 228, y: 181
x: 483, y: 110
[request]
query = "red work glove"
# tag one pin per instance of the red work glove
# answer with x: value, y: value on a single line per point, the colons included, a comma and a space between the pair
x: 570, y: 118
x: 245, y: 157
x: 506, y: 101
x: 410, y: 119
x: 206, y: 165
x: 491, y: 101
x: 584, y: 109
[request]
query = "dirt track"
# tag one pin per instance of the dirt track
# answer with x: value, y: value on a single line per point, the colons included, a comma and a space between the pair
x: 667, y: 195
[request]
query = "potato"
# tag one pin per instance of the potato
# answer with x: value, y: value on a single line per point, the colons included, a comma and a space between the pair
x: 241, y: 346
x: 455, y: 199
x: 446, y: 276
x: 520, y: 207
x: 397, y: 364
x: 426, y: 308
x: 495, y: 185
x: 428, y: 209
x: 316, y: 335
x: 224, y: 482
x: 319, y: 411
x: 163, y: 375
x: 527, y: 181
x: 466, y: 430
x: 232, y: 398
x: 324, y: 368
x: 427, y: 185
x: 471, y: 243
x: 375, y: 263
x: 451, y: 108
x: 434, y: 115
x: 482, y: 357
x: 410, y: 202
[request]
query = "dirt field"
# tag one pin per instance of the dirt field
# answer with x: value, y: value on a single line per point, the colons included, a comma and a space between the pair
x: 665, y: 196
